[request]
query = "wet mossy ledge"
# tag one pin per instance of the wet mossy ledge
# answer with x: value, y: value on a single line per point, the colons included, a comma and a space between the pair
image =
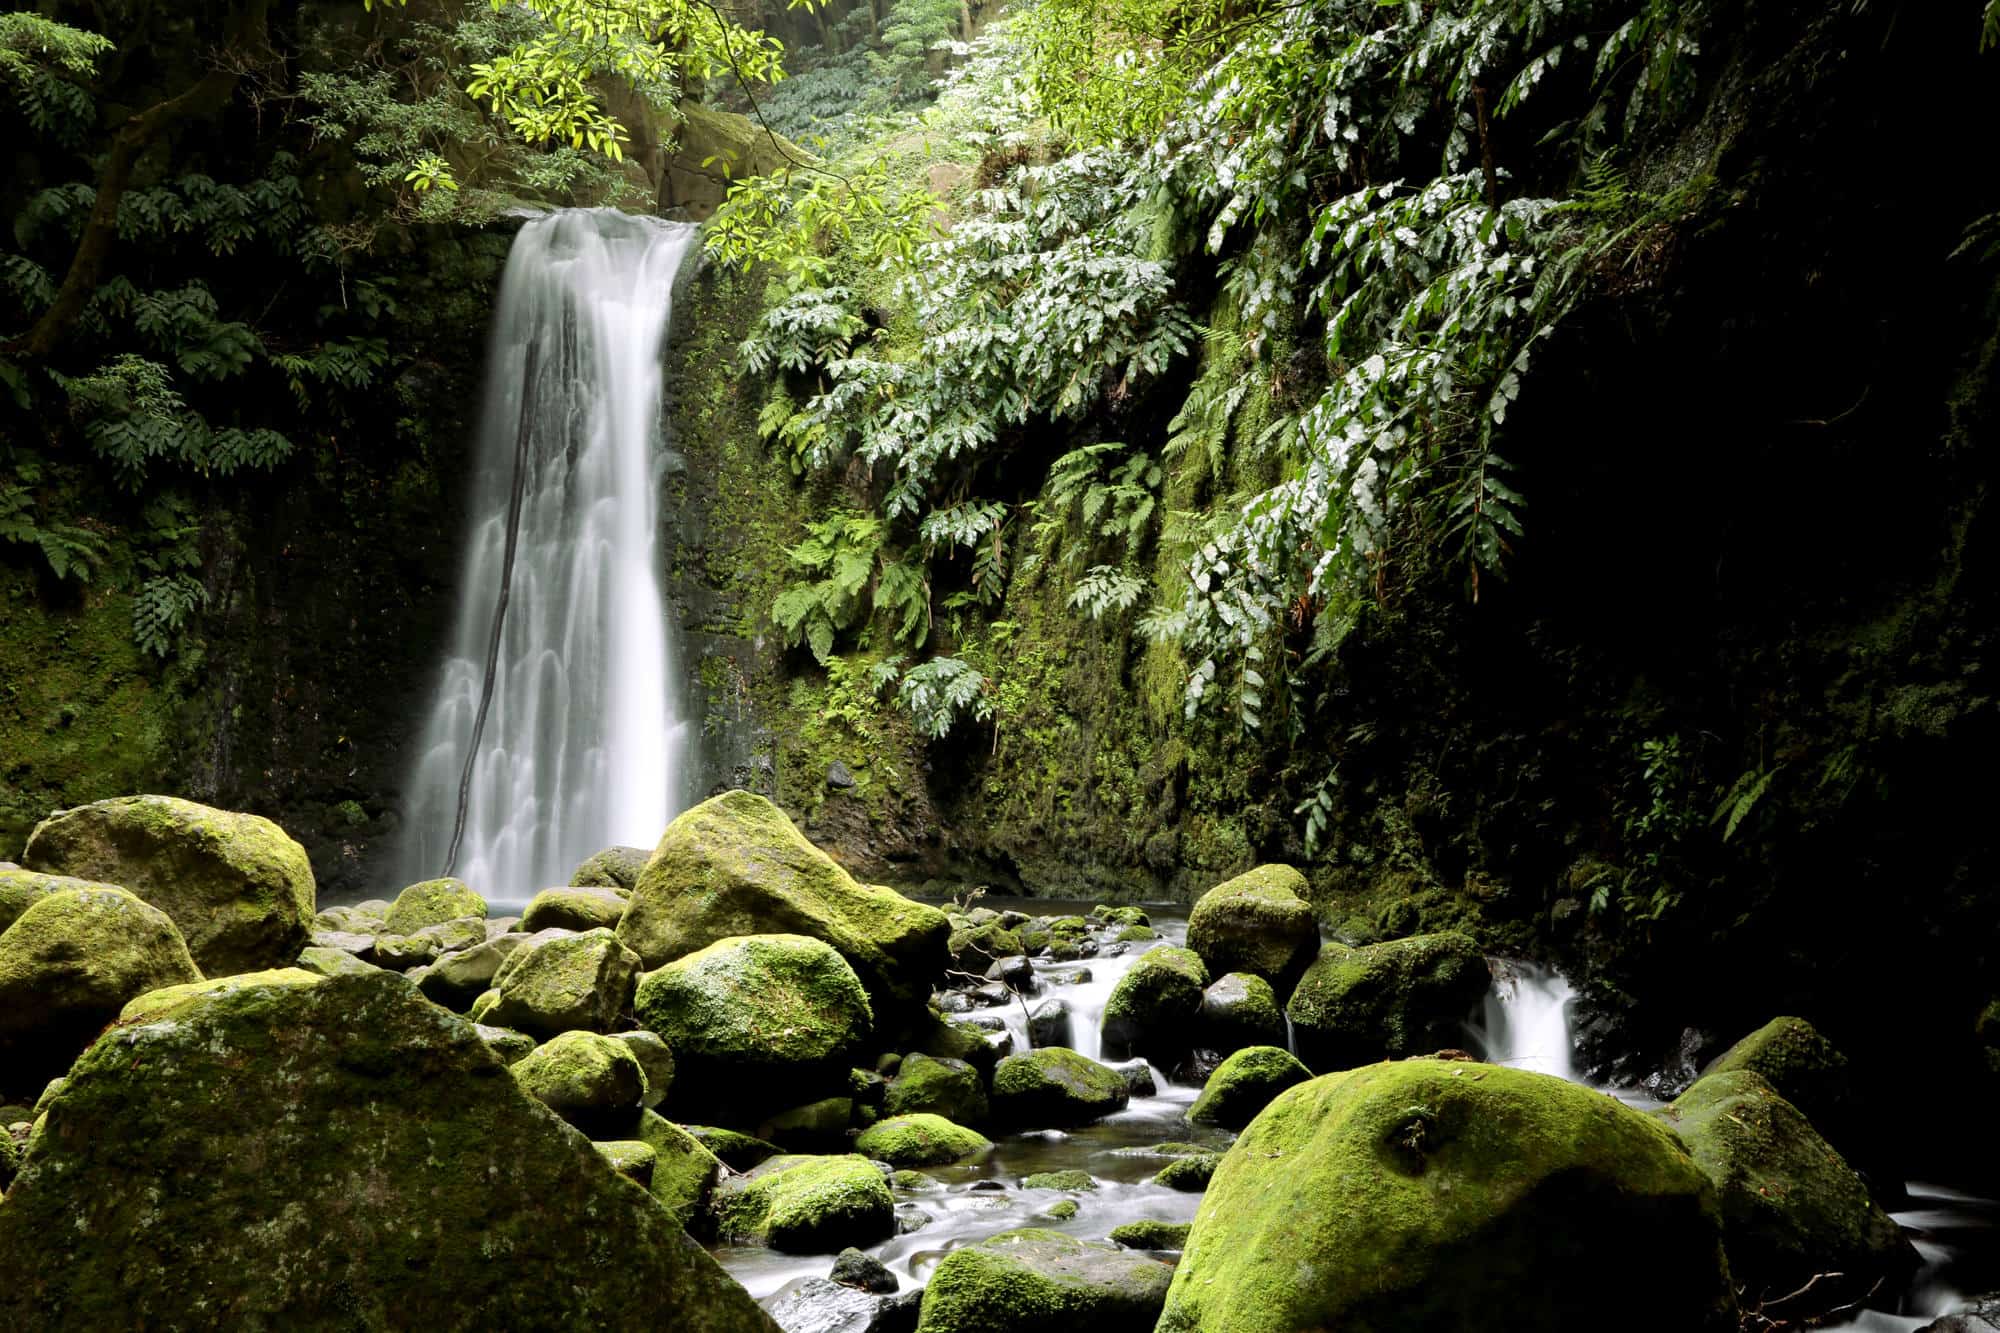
x: 497, y: 1111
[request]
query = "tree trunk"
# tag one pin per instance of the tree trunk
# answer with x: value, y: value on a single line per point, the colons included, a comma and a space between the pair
x: 205, y: 96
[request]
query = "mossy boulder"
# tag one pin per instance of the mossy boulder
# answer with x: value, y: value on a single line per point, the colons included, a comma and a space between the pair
x: 820, y: 1126
x: 171, y: 1000
x: 592, y: 1081
x: 613, y: 868
x: 1432, y: 1196
x: 656, y: 1058
x: 808, y: 1205
x: 21, y: 889
x: 1258, y: 922
x: 333, y: 962
x: 920, y: 1140
x: 755, y: 1022
x: 506, y: 1043
x: 352, y: 1121
x: 1189, y: 1173
x: 955, y: 1039
x: 238, y: 888
x: 573, y: 909
x: 432, y: 902
x: 1240, y: 1010
x: 735, y: 866
x: 1070, y: 1179
x: 10, y: 1158
x: 68, y: 965
x: 1153, y: 1008
x: 1791, y: 1206
x: 737, y: 1151
x: 1387, y: 1001
x: 1039, y: 1281
x: 975, y: 948
x: 565, y: 983
x: 1806, y: 1070
x: 685, y: 1173
x: 1055, y: 1087
x: 942, y: 1086
x: 1120, y: 916
x: 459, y: 978
x: 1244, y: 1084
x: 629, y: 1158
x: 1151, y: 1235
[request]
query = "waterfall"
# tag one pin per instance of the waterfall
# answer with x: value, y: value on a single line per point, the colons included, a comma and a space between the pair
x: 581, y: 747
x: 1526, y: 1020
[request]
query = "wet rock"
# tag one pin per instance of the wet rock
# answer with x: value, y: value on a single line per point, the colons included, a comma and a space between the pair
x: 239, y: 890
x: 839, y: 776
x: 1120, y: 916
x: 685, y: 1173
x: 975, y: 948
x: 565, y: 983
x: 1138, y: 1076
x: 404, y: 953
x: 333, y: 962
x: 193, y: 1151
x: 1189, y: 1174
x: 592, y: 1081
x: 863, y: 1272
x: 612, y: 868
x: 1806, y: 1070
x: 1151, y: 1235
x: 574, y: 909
x: 1055, y: 1086
x: 737, y: 1151
x: 1154, y: 1007
x: 808, y: 1205
x: 1037, y: 1281
x: 656, y: 1058
x: 735, y: 866
x: 1387, y: 1001
x: 68, y: 964
x: 457, y: 979
x: 1435, y: 1196
x: 1982, y: 1316
x: 1791, y: 1207
x: 817, y: 1305
x: 1240, y: 1010
x: 910, y: 1218
x: 756, y: 1022
x: 170, y: 1001
x: 1245, y: 1084
x: 629, y: 1158
x: 430, y: 903
x: 1016, y: 973
x: 1049, y: 1024
x: 1070, y: 1179
x: 920, y: 1140
x: 815, y: 1127
x: 941, y: 1086
x: 506, y: 1043
x: 1258, y: 922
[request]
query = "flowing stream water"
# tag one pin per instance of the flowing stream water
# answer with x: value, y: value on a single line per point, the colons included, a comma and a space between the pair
x: 580, y: 747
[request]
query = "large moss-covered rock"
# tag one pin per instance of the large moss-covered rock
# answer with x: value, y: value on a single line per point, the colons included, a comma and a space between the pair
x: 1399, y: 998
x: 1807, y: 1070
x: 942, y: 1086
x: 1791, y: 1207
x: 1259, y: 922
x: 756, y: 1022
x: 1037, y: 1281
x: 432, y: 902
x: 171, y: 1000
x: 920, y: 1140
x: 21, y: 889
x: 564, y: 983
x: 1054, y: 1086
x: 735, y: 865
x: 1240, y: 1010
x: 352, y: 1122
x: 1153, y: 1008
x: 68, y: 965
x: 238, y: 888
x: 594, y: 1082
x: 808, y: 1205
x: 684, y: 1172
x: 1244, y: 1084
x: 1433, y: 1196
x: 573, y: 909
x: 459, y: 978
x: 613, y: 868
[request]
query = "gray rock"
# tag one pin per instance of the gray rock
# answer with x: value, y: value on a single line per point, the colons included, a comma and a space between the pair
x: 856, y: 1268
x: 815, y: 1305
x: 656, y: 1058
x: 839, y: 776
x: 457, y: 979
x: 1049, y: 1024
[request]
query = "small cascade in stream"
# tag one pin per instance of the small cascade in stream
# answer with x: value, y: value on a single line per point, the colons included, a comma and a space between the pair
x: 579, y: 747
x: 1525, y: 1024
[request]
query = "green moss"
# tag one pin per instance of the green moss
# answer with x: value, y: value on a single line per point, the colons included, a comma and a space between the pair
x: 1427, y: 1195
x: 1244, y: 1084
x: 1039, y: 1281
x: 1241, y: 1010
x: 1062, y: 1210
x: 21, y: 889
x: 564, y: 983
x: 170, y: 1000
x: 1055, y: 1086
x: 950, y: 1088
x: 589, y: 1080
x: 573, y: 909
x: 1151, y: 1235
x: 808, y: 1205
x: 432, y: 902
x: 612, y: 868
x: 1152, y: 1009
x: 1071, y: 1179
x: 1400, y: 998
x: 1190, y: 1173
x: 1804, y: 1067
x: 1258, y: 922
x: 920, y: 1140
x: 629, y: 1158
x: 684, y: 1171
x: 738, y: 1151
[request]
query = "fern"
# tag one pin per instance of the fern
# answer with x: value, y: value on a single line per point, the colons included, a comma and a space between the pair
x: 160, y: 609
x: 71, y: 552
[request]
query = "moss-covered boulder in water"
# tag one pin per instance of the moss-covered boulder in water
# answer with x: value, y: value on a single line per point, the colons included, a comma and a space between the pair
x: 1189, y: 1173
x: 940, y: 1085
x: 592, y: 1081
x: 1037, y: 1281
x: 1244, y: 1084
x: 354, y: 1122
x: 22, y: 889
x: 1151, y: 1235
x: 565, y: 983
x: 975, y: 948
x: 920, y: 1140
x: 1791, y: 1207
x: 1240, y: 1010
x: 1433, y: 1196
x: 573, y: 909
x: 171, y: 1000
x: 808, y: 1205
x: 736, y: 1150
x: 1259, y: 922
x: 1807, y: 1070
x: 1152, y: 1009
x: 1399, y: 998
x: 735, y: 866
x: 613, y: 868
x: 240, y: 890
x: 68, y: 965
x: 1055, y: 1087
x: 756, y: 1022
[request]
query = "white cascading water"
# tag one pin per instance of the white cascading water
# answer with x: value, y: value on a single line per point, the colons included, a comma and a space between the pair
x: 581, y: 748
x: 1526, y: 1020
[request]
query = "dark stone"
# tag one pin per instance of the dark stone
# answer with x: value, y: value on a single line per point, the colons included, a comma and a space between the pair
x: 1049, y: 1024
x: 854, y: 1268
x: 839, y: 776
